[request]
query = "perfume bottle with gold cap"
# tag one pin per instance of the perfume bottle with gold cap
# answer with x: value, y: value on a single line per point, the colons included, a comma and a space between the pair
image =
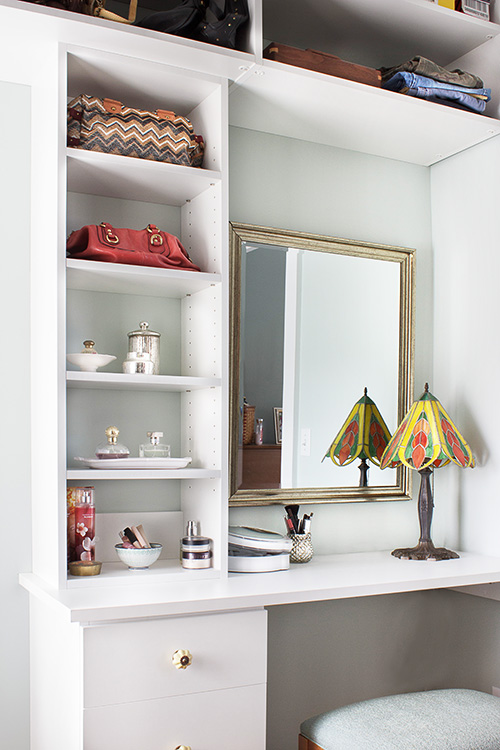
x: 111, y: 448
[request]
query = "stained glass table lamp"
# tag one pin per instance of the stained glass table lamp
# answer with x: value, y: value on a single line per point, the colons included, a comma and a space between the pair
x: 426, y: 439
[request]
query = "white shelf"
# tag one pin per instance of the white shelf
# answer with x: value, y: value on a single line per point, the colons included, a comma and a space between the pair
x: 115, y: 176
x: 302, y: 104
x: 92, y: 475
x: 118, y: 278
x: 381, y: 33
x: 122, y: 381
x: 325, y: 577
x: 163, y: 571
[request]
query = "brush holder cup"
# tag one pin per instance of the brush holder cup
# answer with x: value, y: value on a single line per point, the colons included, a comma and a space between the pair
x: 302, y: 548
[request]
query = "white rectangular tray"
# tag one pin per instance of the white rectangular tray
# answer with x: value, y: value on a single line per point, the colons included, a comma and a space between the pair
x: 134, y: 463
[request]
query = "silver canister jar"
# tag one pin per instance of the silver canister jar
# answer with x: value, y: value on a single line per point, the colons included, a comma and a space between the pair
x: 145, y: 341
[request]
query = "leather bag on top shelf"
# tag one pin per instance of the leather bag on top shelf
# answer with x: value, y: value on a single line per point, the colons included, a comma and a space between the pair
x: 203, y: 20
x: 322, y: 62
x: 90, y: 8
x: 136, y: 247
x: 107, y: 125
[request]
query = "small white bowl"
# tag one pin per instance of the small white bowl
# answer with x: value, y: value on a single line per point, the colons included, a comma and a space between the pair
x: 89, y: 362
x: 138, y: 558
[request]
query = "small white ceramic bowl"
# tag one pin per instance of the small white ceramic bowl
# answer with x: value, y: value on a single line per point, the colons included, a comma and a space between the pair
x: 89, y: 362
x: 137, y: 558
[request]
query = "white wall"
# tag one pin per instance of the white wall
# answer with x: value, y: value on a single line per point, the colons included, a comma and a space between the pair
x: 15, y: 103
x: 292, y: 184
x: 466, y: 228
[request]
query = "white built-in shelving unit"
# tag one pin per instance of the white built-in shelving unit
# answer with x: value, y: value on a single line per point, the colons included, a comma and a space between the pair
x: 187, y: 400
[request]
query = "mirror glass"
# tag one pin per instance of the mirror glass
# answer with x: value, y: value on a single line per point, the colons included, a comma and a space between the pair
x: 314, y: 321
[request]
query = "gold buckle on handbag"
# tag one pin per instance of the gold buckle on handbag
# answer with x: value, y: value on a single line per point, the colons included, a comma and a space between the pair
x: 110, y: 237
x: 156, y: 239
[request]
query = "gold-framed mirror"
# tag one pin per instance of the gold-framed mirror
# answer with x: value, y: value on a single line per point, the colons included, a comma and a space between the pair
x: 313, y: 321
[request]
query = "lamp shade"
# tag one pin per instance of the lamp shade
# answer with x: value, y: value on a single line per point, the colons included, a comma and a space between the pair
x: 363, y: 435
x: 426, y: 438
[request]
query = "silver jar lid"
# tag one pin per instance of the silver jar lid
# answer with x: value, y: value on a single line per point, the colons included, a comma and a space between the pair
x: 144, y: 331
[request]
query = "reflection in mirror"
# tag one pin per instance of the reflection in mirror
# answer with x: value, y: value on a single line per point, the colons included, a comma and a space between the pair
x: 314, y: 321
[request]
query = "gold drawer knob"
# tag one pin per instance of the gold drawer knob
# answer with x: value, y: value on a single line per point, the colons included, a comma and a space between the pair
x: 182, y: 747
x: 181, y: 660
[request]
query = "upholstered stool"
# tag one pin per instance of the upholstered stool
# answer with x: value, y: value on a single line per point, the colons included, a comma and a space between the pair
x: 432, y: 720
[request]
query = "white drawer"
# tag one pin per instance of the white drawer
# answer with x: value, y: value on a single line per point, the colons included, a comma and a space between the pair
x: 206, y: 721
x: 132, y: 661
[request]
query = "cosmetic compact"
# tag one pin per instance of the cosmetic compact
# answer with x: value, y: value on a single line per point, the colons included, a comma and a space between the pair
x: 252, y: 550
x: 196, y: 550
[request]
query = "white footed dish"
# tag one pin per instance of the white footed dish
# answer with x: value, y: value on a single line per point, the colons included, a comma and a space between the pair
x: 90, y: 362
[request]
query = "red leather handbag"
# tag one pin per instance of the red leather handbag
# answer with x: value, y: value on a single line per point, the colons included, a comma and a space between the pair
x: 137, y: 247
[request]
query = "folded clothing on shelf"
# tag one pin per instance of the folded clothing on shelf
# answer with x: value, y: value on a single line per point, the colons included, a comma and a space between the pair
x: 422, y: 87
x: 424, y: 67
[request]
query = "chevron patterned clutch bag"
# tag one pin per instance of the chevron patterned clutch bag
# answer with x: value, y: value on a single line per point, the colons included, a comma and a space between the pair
x: 107, y: 125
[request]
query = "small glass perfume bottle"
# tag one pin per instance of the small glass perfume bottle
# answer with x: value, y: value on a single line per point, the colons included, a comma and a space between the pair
x: 154, y: 449
x: 112, y: 448
x: 259, y: 432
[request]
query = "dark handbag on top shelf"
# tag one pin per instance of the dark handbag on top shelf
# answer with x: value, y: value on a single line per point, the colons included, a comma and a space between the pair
x: 136, y: 247
x: 108, y: 126
x: 203, y: 20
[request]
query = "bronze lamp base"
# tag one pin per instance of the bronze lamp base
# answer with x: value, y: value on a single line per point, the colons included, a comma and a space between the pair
x: 425, y: 550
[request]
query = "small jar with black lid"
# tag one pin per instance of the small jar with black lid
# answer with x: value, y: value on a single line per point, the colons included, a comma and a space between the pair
x: 196, y: 550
